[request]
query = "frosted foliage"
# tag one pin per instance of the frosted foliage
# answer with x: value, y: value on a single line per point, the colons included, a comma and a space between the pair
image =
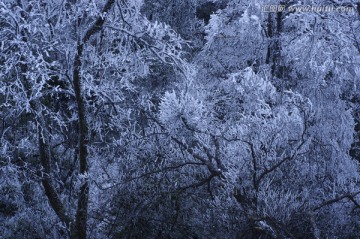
x: 266, y: 145
x: 114, y: 126
x: 234, y: 40
x: 10, y: 186
x: 174, y: 109
x: 256, y: 93
x: 273, y: 201
x: 322, y: 45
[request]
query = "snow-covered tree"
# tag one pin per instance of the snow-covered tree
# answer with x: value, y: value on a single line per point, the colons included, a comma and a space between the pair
x: 68, y: 70
x: 107, y: 132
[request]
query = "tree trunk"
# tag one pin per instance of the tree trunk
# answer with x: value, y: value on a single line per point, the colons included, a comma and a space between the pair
x: 80, y: 228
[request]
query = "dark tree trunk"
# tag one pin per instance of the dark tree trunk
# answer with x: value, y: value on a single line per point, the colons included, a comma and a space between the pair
x: 80, y: 228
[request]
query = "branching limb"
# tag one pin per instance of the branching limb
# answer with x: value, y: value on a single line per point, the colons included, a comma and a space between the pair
x: 349, y: 196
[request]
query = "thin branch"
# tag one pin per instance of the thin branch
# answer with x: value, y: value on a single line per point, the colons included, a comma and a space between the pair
x: 351, y: 197
x: 168, y: 168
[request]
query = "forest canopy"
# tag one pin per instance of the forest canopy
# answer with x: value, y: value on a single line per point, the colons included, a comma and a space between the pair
x: 179, y: 119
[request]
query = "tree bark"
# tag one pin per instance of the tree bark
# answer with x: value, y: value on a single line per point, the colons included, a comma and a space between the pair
x: 80, y: 227
x: 44, y: 152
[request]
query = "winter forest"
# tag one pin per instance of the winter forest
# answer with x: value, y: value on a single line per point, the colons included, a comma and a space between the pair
x: 179, y: 119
